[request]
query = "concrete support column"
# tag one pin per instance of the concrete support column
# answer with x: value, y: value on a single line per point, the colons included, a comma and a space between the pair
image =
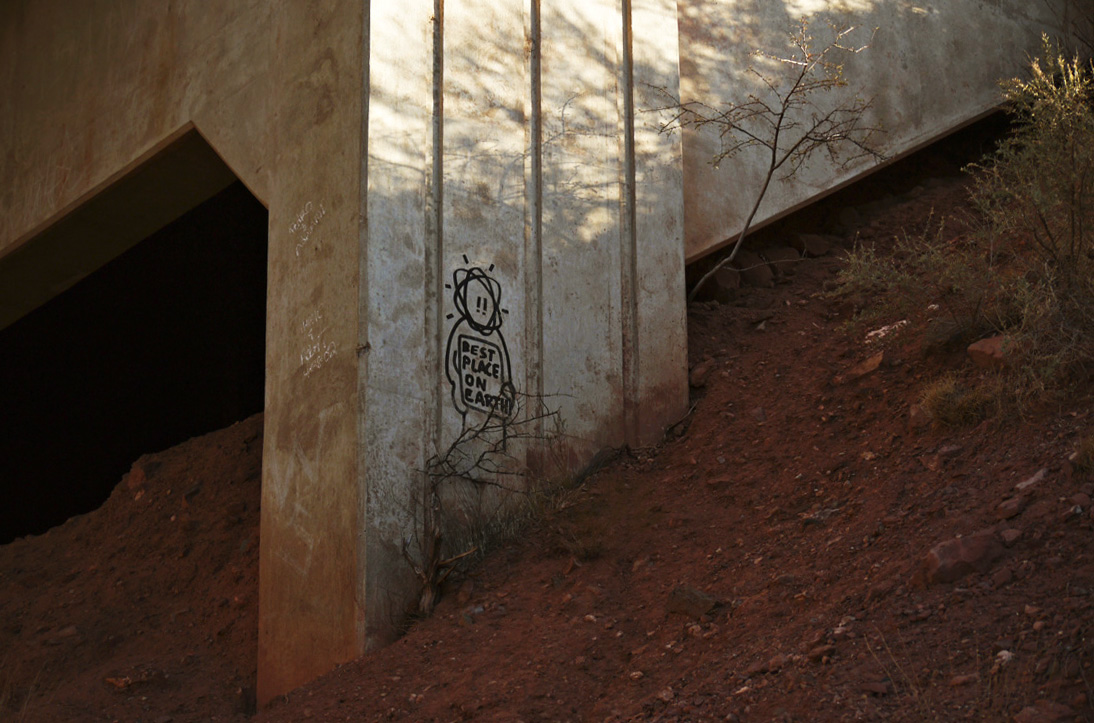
x: 309, y: 611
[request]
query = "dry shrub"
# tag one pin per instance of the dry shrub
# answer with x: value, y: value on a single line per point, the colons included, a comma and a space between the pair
x: 1082, y: 460
x: 952, y: 403
x: 1028, y: 270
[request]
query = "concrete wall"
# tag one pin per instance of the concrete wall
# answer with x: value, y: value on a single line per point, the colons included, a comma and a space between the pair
x: 90, y: 93
x: 506, y: 170
x: 930, y: 68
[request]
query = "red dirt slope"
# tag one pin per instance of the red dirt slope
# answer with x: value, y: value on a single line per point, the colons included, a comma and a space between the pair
x: 767, y: 563
x: 146, y: 608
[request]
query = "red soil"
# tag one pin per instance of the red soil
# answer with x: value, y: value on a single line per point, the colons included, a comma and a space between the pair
x: 798, y: 495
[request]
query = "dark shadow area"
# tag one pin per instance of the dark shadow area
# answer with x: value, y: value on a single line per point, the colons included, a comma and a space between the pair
x: 163, y: 343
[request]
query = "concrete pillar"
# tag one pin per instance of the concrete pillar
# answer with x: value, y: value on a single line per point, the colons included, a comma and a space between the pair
x: 310, y: 613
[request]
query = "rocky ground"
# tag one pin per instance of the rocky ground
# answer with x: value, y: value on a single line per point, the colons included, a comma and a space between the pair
x: 805, y: 546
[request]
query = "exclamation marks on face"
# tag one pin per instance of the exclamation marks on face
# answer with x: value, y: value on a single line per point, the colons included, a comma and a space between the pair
x: 480, y: 304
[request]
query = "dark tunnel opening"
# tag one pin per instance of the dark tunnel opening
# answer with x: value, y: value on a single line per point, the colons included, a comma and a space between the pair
x: 163, y: 343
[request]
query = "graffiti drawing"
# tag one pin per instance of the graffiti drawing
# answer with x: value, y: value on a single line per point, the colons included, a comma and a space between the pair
x: 476, y: 358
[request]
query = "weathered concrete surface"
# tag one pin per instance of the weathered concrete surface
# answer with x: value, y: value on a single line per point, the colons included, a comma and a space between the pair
x: 90, y: 94
x: 310, y: 611
x: 91, y: 99
x: 131, y: 209
x: 931, y: 68
x: 509, y: 210
x: 519, y: 239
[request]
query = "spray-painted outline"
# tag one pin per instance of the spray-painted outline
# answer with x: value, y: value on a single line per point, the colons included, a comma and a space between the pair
x: 472, y: 361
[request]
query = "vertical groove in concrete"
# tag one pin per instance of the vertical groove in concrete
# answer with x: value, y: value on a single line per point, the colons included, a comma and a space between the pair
x: 362, y: 349
x: 629, y: 238
x: 434, y: 250
x: 533, y: 278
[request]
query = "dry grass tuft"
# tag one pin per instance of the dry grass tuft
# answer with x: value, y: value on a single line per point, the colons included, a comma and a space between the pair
x: 951, y: 403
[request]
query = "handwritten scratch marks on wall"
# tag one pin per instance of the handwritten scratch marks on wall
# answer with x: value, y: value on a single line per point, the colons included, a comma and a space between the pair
x: 317, y: 350
x: 304, y: 225
x: 477, y: 359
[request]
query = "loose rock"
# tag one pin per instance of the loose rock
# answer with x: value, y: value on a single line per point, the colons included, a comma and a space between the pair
x: 1010, y: 508
x: 1025, y: 485
x: 722, y: 287
x: 689, y: 601
x: 860, y: 370
x: 699, y: 373
x: 783, y: 260
x: 1044, y: 711
x: 954, y: 559
x: 754, y: 270
x: 810, y: 244
x: 989, y: 353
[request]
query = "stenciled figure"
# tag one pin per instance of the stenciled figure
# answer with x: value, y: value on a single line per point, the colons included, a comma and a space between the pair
x: 476, y: 358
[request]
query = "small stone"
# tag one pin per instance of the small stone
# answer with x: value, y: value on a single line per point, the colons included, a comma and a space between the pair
x: 810, y: 244
x: 1010, y: 536
x: 821, y: 652
x: 777, y: 662
x: 1010, y: 508
x: 1080, y: 500
x: 697, y: 379
x: 878, y: 687
x: 757, y: 668
x: 1001, y: 577
x: 666, y: 695
x: 954, y: 559
x: 959, y: 680
x: 136, y: 479
x: 1044, y: 711
x: 918, y: 419
x: 754, y: 270
x: 721, y: 287
x: 759, y: 414
x: 989, y: 353
x: 783, y: 260
x: 1025, y: 485
x: 860, y: 370
x: 689, y: 601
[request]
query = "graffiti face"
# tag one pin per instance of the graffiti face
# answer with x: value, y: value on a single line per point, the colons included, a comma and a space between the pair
x: 478, y: 299
x: 477, y: 359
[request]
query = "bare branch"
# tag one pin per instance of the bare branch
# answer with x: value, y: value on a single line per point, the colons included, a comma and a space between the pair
x: 790, y: 124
